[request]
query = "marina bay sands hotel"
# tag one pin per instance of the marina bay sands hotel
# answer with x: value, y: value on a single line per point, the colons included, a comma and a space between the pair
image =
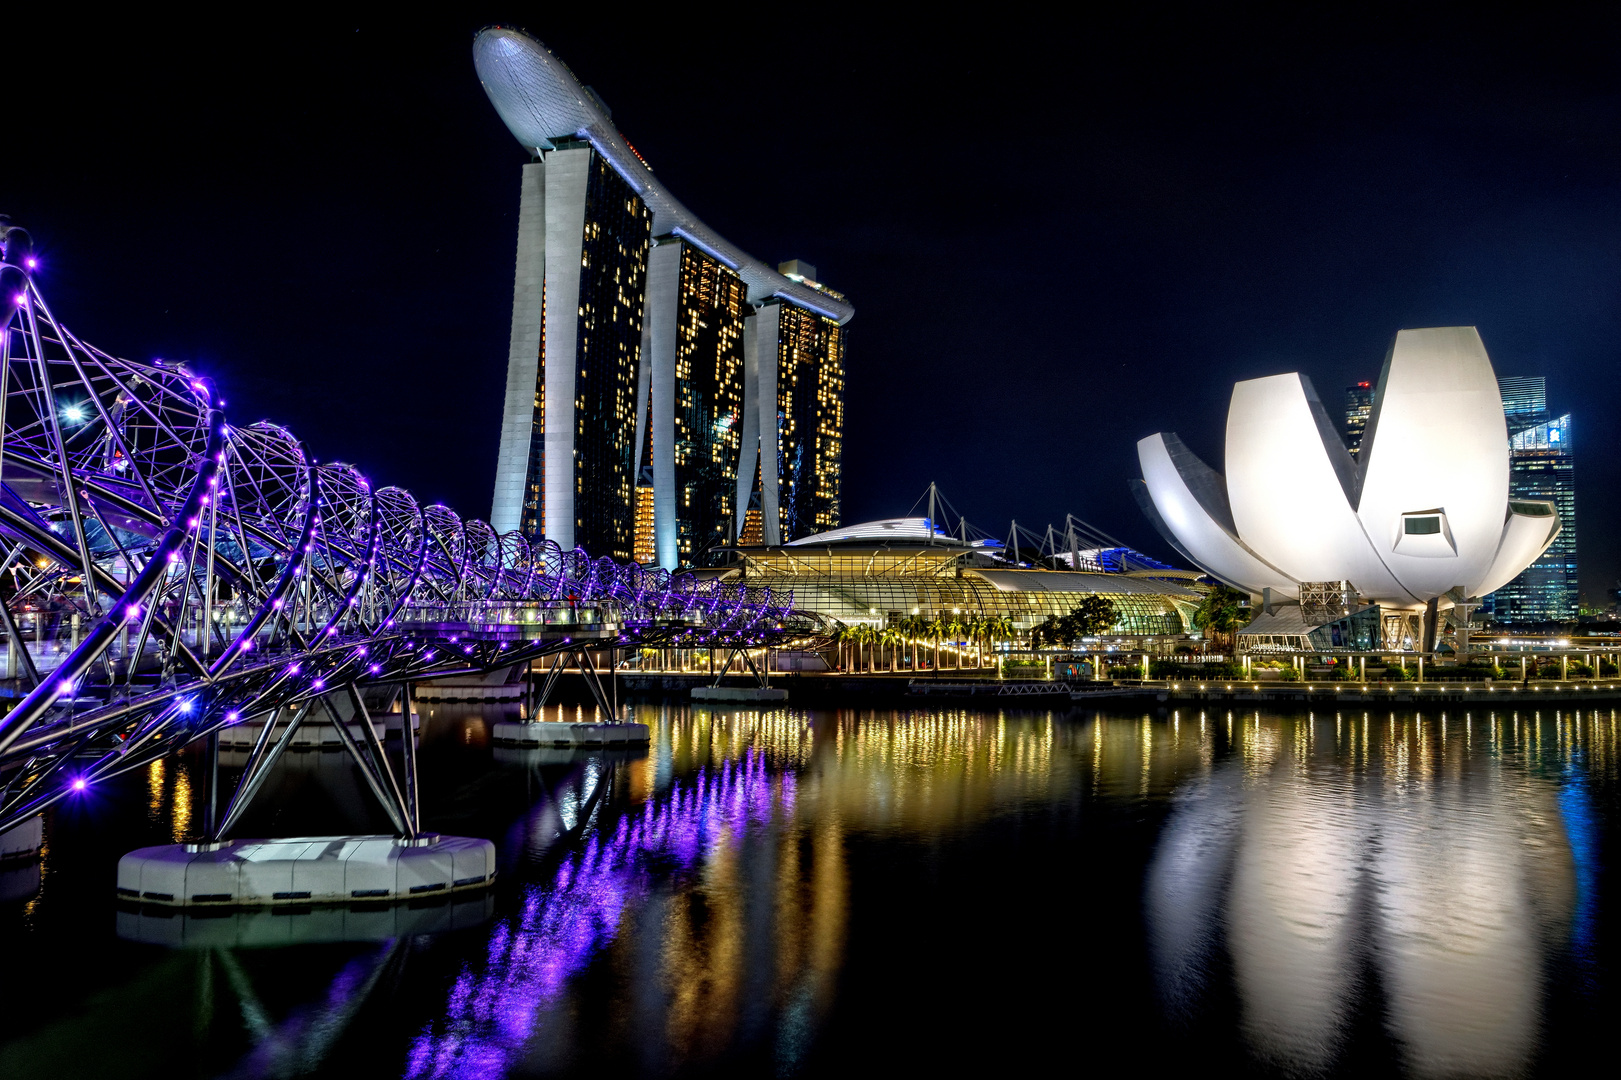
x: 667, y: 393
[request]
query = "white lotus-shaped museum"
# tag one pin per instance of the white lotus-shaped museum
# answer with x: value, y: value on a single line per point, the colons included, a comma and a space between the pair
x: 1423, y: 513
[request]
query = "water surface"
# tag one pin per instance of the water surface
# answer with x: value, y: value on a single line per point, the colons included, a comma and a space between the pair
x: 794, y: 892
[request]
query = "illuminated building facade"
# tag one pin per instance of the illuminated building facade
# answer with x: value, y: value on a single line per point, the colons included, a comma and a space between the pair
x: 881, y: 572
x: 1422, y: 521
x: 796, y: 373
x: 1542, y: 466
x: 1358, y: 407
x: 687, y: 362
x: 566, y: 465
x: 694, y: 342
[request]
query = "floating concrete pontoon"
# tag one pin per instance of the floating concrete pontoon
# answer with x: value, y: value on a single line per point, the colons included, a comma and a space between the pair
x: 355, y: 921
x: 21, y: 842
x: 566, y: 733
x: 738, y: 693
x: 312, y: 733
x: 305, y: 870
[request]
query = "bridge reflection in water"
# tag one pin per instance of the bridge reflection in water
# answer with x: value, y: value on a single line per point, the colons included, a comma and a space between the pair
x: 711, y: 902
x: 1429, y: 856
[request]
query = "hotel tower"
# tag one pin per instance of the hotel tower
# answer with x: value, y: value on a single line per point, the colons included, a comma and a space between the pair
x: 664, y: 389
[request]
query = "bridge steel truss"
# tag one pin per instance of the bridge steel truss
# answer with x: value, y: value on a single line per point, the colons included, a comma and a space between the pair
x: 167, y: 574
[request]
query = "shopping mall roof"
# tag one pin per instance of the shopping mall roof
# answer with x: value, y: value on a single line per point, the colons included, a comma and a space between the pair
x: 541, y: 101
x: 889, y: 531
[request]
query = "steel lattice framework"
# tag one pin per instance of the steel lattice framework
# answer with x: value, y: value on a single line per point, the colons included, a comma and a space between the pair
x: 167, y: 574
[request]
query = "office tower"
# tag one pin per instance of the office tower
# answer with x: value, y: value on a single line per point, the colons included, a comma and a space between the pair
x: 1358, y: 407
x: 687, y: 366
x: 1541, y: 466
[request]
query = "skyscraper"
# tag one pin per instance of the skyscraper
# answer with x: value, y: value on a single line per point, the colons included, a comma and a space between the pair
x: 795, y: 369
x: 647, y: 351
x: 1541, y: 466
x: 694, y: 339
x: 582, y: 259
x: 1358, y: 407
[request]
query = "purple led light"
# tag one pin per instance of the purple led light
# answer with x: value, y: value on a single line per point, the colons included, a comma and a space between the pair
x: 78, y: 784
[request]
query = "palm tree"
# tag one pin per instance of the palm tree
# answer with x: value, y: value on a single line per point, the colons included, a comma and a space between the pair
x: 914, y: 626
x: 997, y: 628
x: 892, y: 636
x: 868, y: 637
x: 846, y: 636
x: 974, y: 624
x: 952, y: 625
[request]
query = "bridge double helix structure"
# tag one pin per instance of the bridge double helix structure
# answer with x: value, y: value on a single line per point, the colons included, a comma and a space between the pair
x: 167, y: 574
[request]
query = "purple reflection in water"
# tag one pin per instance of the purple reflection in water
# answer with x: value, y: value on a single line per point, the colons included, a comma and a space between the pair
x: 491, y: 1014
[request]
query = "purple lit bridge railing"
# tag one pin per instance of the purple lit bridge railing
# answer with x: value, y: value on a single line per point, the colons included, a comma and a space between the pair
x: 167, y: 574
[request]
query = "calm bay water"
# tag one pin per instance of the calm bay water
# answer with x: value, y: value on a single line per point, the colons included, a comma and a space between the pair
x: 812, y: 892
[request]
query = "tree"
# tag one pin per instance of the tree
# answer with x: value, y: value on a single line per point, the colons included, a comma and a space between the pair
x: 995, y: 628
x: 914, y: 626
x: 846, y: 636
x: 952, y: 626
x: 1094, y: 615
x: 1222, y: 612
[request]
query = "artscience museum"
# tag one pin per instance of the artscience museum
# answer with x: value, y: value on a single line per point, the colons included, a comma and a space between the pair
x: 1384, y: 551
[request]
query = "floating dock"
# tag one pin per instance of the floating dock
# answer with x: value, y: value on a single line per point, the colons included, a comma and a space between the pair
x: 356, y: 921
x: 305, y: 870
x: 570, y: 733
x: 738, y: 693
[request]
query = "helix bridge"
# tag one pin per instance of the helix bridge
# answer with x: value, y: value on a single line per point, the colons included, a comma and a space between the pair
x: 168, y: 574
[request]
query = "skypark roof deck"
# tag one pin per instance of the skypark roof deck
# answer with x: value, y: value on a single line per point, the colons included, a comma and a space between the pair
x: 542, y: 102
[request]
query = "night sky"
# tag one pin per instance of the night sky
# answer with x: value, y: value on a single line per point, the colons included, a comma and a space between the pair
x: 1059, y: 236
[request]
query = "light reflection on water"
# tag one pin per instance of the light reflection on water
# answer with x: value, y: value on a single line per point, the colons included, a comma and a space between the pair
x: 719, y: 888
x: 1432, y: 857
x: 700, y: 906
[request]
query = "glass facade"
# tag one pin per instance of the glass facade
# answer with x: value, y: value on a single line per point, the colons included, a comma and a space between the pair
x: 708, y: 403
x: 810, y: 421
x: 1358, y: 408
x: 644, y: 552
x: 878, y: 586
x: 613, y: 274
x: 1542, y: 465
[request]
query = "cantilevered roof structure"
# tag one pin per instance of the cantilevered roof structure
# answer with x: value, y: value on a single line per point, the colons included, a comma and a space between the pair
x: 542, y: 102
x: 889, y: 531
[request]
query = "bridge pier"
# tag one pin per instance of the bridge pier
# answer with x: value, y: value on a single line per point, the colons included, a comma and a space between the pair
x: 315, y: 869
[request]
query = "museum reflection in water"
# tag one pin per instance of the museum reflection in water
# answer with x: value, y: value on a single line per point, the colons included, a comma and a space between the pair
x: 703, y: 903
x: 1450, y: 858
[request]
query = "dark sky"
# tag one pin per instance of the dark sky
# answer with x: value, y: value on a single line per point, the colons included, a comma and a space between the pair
x: 1060, y: 234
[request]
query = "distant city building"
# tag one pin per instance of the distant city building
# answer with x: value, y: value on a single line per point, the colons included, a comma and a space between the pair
x: 649, y: 353
x: 1542, y: 466
x: 1358, y: 407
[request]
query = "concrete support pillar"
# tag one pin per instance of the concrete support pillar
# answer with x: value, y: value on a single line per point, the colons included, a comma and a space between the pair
x: 523, y: 354
x: 567, y: 175
x: 658, y: 336
x: 767, y: 331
